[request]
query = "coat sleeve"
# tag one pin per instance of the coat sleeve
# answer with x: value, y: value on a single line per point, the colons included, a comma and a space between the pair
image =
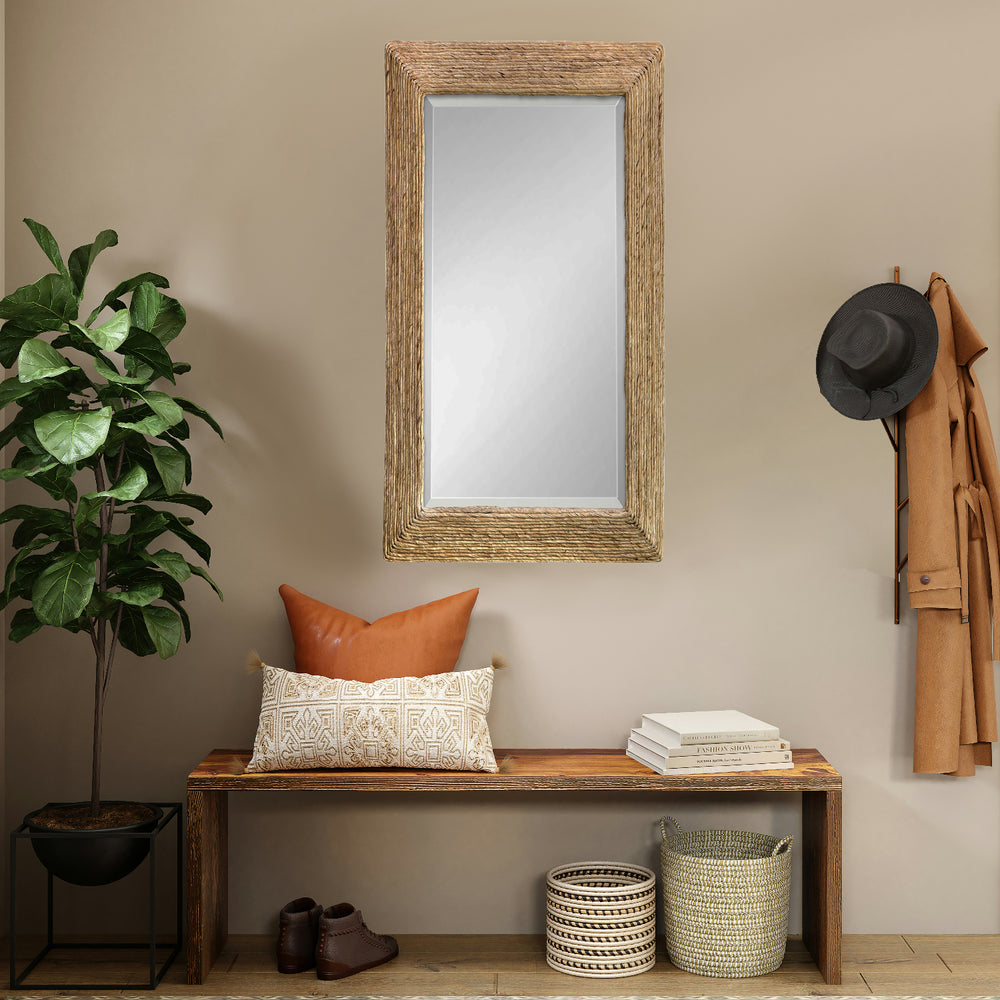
x: 933, y: 577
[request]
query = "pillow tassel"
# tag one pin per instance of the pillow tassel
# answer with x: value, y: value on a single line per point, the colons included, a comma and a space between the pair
x: 235, y: 766
x: 498, y: 661
x: 254, y: 662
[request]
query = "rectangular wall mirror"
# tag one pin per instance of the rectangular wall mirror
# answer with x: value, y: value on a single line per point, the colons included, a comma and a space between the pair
x: 524, y: 301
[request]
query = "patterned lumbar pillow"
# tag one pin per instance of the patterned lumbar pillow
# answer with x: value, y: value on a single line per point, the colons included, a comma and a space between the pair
x: 437, y: 721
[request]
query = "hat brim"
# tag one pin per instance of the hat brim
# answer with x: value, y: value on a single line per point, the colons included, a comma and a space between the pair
x: 906, y: 304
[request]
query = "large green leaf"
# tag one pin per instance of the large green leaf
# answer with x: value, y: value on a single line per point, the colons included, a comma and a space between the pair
x: 23, y: 624
x: 38, y: 359
x: 164, y: 627
x: 171, y: 440
x: 124, y: 288
x: 138, y: 596
x: 81, y: 260
x: 163, y: 406
x: 20, y: 511
x: 62, y: 591
x: 166, y: 414
x: 132, y: 632
x: 45, y: 305
x: 10, y: 431
x: 49, y: 521
x: 150, y: 424
x: 197, y: 411
x: 145, y: 524
x: 86, y: 509
x: 180, y: 431
x: 199, y: 571
x: 11, y: 575
x: 47, y: 242
x: 57, y: 481
x: 76, y: 339
x: 13, y: 388
x: 131, y: 484
x: 184, y: 617
x: 12, y: 337
x: 111, y: 334
x: 24, y: 575
x: 195, y: 500
x: 32, y: 446
x: 104, y: 367
x: 143, y: 348
x: 170, y: 466
x: 172, y: 563
x: 157, y: 313
x: 179, y: 527
x: 30, y: 467
x: 73, y: 435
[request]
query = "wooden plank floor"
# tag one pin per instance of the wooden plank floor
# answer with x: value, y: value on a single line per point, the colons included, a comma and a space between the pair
x: 514, y: 965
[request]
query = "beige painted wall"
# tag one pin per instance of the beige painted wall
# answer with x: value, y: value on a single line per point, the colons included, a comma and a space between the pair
x: 238, y: 147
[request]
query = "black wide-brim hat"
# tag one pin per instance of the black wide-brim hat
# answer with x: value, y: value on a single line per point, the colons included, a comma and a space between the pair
x: 877, y: 352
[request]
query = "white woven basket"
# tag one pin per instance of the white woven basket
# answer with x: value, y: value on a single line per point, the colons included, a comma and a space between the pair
x: 601, y: 919
x: 725, y: 900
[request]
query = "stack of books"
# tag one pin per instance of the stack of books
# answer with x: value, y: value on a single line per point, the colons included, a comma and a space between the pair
x: 704, y: 742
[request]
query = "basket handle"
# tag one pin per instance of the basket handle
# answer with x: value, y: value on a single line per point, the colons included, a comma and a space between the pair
x: 782, y: 845
x: 663, y: 825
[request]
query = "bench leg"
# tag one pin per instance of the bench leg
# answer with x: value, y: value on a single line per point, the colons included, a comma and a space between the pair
x: 208, y: 880
x: 822, y: 917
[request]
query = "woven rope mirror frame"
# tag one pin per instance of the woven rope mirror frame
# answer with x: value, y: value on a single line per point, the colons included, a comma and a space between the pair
x: 412, y: 530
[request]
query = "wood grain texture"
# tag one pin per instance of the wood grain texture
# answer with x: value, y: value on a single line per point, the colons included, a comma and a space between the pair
x: 514, y: 964
x: 569, y: 770
x: 475, y: 534
x: 822, y: 880
x: 520, y: 771
x: 207, y: 880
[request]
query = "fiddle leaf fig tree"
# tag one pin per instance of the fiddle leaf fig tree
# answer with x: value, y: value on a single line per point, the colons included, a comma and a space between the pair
x: 99, y: 431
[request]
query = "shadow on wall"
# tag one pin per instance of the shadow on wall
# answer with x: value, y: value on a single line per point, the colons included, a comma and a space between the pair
x: 281, y: 480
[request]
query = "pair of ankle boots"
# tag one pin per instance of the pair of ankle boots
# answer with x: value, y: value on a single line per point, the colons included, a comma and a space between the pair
x: 335, y: 940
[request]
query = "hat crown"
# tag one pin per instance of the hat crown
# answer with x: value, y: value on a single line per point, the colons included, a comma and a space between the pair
x: 874, y: 347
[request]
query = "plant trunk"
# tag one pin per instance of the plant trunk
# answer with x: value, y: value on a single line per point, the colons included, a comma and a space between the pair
x: 95, y: 771
x: 103, y: 654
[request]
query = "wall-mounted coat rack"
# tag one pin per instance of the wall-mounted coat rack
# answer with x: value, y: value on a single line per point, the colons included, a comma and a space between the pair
x: 875, y: 356
x: 895, y: 438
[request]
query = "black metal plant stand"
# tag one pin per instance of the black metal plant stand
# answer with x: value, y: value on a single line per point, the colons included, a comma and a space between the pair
x: 171, y: 812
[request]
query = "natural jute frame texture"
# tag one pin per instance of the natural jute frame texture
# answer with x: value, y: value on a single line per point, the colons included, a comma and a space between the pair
x: 414, y: 532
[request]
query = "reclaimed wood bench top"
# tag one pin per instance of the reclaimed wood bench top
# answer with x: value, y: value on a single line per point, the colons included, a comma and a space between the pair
x: 520, y: 771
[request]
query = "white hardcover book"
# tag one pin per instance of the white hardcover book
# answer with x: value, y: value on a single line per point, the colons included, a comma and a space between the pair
x: 700, y: 760
x: 673, y: 748
x: 637, y: 754
x: 724, y: 726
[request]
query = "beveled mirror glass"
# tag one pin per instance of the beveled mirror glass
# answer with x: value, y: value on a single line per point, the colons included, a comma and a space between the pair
x: 524, y: 301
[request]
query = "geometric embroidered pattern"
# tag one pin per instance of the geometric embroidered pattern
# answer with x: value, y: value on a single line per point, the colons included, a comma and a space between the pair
x: 437, y: 721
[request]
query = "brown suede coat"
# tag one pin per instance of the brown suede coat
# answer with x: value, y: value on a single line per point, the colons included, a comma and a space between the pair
x: 952, y: 572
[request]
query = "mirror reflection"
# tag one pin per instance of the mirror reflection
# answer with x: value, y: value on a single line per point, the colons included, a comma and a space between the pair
x: 524, y: 301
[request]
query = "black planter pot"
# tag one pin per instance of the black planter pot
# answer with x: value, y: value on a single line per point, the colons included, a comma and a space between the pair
x: 92, y: 857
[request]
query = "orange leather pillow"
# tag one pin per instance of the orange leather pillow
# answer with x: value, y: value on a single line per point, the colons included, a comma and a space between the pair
x: 332, y: 643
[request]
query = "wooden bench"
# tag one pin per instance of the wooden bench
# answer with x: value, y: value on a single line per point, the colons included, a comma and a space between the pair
x: 604, y: 771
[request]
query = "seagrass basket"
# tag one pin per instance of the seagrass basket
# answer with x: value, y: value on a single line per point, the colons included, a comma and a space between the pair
x: 600, y: 919
x: 725, y: 900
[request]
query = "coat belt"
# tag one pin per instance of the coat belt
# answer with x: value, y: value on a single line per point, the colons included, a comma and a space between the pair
x: 976, y: 500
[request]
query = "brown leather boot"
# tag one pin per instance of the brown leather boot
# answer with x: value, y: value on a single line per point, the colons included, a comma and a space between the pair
x: 347, y: 946
x: 298, y: 923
